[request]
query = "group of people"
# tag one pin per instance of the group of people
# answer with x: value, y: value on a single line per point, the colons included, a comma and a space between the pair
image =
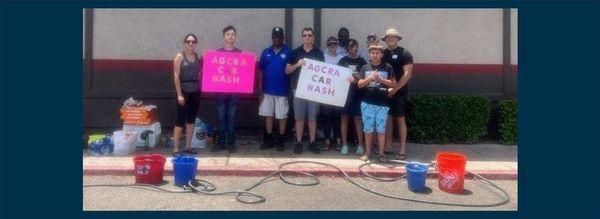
x: 376, y: 99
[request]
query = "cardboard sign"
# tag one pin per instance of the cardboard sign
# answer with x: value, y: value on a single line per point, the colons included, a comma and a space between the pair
x: 228, y: 72
x: 323, y: 83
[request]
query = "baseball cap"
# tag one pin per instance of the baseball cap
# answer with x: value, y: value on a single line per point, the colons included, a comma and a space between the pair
x: 332, y: 39
x: 372, y: 36
x: 277, y: 30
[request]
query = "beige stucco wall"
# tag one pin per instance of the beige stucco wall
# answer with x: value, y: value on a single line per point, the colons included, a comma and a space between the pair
x: 456, y: 36
x: 452, y: 36
x: 157, y: 34
x: 514, y: 36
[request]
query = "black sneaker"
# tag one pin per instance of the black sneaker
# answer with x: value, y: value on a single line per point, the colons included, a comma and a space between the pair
x: 267, y: 142
x: 280, y: 143
x: 298, y: 148
x: 314, y: 148
x: 231, y: 148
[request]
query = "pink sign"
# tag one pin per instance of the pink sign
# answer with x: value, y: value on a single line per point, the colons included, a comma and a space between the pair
x: 228, y: 72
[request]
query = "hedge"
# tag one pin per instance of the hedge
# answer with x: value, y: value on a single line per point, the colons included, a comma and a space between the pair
x: 448, y: 118
x: 508, y: 121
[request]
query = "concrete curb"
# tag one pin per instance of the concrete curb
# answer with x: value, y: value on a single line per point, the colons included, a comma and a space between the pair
x: 317, y: 171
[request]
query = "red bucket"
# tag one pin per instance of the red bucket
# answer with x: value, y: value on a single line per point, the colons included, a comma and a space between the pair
x: 149, y: 168
x: 451, y: 172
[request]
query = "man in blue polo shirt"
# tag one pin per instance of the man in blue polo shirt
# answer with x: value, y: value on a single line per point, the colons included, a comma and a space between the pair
x: 275, y: 85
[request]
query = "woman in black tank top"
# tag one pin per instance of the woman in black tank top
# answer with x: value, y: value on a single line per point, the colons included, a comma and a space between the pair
x: 186, y: 71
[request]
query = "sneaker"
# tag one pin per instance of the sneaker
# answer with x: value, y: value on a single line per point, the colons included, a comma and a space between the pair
x: 344, y: 149
x: 267, y: 142
x: 298, y: 148
x: 360, y: 150
x: 280, y: 143
x: 314, y: 148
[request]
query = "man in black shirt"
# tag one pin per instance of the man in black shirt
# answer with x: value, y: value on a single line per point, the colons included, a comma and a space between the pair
x: 304, y: 109
x: 402, y: 62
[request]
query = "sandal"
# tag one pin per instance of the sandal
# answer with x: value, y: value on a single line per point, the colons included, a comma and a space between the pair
x: 177, y: 154
x: 190, y: 151
x: 388, y: 152
x: 364, y: 158
x: 400, y: 157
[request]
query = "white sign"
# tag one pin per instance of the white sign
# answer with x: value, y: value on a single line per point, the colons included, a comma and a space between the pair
x: 323, y: 83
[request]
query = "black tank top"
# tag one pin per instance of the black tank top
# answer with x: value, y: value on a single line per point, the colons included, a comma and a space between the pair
x: 189, y: 74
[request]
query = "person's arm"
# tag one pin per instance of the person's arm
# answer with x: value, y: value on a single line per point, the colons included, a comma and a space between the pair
x: 363, y: 82
x: 176, y: 79
x: 403, y: 80
x: 289, y: 68
x: 407, y: 66
x: 407, y: 74
x: 387, y: 82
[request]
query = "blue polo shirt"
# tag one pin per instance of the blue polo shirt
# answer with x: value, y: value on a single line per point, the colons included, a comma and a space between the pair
x: 275, y: 81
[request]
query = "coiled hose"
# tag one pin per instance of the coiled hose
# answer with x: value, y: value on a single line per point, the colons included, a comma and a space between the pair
x: 207, y: 188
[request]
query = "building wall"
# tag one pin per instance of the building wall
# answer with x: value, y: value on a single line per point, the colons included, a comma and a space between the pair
x: 514, y: 39
x: 459, y: 36
x: 302, y: 18
x: 455, y: 51
x: 157, y: 34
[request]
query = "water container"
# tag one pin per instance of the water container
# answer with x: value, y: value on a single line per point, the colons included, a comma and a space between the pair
x: 149, y: 169
x: 416, y: 175
x: 184, y: 169
x: 451, y: 172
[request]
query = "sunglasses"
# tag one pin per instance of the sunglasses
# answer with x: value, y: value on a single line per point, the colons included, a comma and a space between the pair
x: 191, y: 41
x: 307, y: 35
x: 332, y: 44
x: 371, y: 39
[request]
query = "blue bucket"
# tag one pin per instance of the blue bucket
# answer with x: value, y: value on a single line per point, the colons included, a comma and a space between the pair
x: 184, y: 169
x: 416, y: 174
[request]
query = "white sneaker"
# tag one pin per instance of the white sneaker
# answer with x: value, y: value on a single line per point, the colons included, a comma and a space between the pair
x: 344, y: 149
x: 360, y: 150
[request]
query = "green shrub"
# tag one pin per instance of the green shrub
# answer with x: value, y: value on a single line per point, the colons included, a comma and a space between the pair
x: 507, y: 121
x: 448, y: 118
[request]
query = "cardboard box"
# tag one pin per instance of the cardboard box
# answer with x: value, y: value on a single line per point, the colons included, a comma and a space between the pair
x: 138, y: 115
x: 154, y: 138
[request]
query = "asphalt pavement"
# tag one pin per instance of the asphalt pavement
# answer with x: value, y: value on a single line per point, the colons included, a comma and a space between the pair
x: 331, y: 194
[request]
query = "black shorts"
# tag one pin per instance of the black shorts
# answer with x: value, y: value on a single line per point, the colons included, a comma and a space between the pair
x: 398, y: 105
x: 188, y: 112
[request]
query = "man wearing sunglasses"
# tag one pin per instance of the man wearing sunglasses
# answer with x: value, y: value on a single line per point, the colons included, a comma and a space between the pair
x: 304, y: 109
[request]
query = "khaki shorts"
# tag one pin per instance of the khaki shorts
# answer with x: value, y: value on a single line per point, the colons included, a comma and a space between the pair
x: 277, y: 105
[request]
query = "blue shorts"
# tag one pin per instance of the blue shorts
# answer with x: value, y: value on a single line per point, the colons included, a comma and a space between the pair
x: 374, y: 117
